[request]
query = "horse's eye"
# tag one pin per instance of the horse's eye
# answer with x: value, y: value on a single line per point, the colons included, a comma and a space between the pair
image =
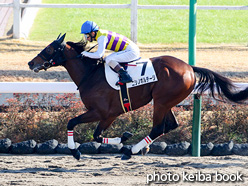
x: 49, y: 50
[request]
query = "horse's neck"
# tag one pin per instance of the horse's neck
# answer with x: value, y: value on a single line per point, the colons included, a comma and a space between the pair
x: 75, y: 70
x: 80, y: 70
x: 74, y: 66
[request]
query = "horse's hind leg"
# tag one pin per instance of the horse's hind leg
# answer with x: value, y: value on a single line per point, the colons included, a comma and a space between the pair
x: 169, y: 123
x: 163, y: 122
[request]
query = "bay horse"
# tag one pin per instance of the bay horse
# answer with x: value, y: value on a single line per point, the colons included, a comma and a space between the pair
x: 176, y: 80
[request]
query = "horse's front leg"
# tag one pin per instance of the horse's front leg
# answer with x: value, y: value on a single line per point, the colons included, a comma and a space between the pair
x: 89, y: 116
x: 102, y: 126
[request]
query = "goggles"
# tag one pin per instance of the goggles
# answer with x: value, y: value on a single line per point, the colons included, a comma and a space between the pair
x: 87, y: 36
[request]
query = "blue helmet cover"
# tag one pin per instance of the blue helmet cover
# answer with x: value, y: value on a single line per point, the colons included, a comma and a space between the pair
x: 89, y: 26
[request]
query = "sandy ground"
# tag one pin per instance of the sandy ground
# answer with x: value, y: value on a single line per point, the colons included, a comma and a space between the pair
x: 109, y: 170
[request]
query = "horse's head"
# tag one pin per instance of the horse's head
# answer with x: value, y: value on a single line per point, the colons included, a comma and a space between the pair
x: 50, y: 56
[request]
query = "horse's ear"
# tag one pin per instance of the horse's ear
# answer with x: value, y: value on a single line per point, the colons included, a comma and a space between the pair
x: 58, y: 36
x: 61, y: 39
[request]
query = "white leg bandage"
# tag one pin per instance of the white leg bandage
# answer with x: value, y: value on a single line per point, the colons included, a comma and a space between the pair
x: 143, y: 143
x: 71, y: 144
x: 111, y: 140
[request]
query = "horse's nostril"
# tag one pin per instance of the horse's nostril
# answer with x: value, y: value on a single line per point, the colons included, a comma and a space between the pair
x: 31, y: 63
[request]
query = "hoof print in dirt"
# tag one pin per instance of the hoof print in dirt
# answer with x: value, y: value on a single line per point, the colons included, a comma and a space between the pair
x: 25, y: 147
x: 5, y: 145
x: 48, y: 147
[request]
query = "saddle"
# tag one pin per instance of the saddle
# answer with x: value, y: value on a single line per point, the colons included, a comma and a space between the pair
x: 141, y: 71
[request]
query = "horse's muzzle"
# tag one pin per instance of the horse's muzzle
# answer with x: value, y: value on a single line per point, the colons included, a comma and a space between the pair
x: 32, y: 67
x: 31, y: 64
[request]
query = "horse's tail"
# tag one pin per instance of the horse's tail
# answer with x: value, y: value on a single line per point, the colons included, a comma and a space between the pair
x: 224, y: 86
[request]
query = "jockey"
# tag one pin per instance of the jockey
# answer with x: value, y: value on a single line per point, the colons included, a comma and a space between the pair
x: 125, y: 49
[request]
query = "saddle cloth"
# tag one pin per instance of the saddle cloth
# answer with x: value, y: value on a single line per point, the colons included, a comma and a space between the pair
x: 141, y: 71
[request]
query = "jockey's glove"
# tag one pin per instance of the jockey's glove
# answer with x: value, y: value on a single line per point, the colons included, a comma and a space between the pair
x: 81, y: 55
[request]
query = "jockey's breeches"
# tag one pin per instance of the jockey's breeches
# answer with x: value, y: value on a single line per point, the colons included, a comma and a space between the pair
x: 131, y: 53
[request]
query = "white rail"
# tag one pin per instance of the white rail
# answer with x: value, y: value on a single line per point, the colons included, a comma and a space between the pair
x: 52, y: 87
x: 7, y: 89
x: 38, y: 87
x: 133, y: 6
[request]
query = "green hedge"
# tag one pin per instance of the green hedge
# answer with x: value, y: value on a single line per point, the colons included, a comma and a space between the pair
x: 30, y: 116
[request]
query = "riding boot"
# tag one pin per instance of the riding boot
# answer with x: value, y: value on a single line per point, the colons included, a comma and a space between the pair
x: 124, y: 76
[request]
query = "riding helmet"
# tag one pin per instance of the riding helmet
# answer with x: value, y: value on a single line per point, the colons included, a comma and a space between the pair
x: 89, y: 26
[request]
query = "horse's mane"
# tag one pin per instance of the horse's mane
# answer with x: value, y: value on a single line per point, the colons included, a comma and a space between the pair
x: 79, y: 46
x: 82, y: 46
x: 92, y: 64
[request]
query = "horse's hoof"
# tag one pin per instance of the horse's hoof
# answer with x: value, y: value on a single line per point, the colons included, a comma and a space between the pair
x: 145, y: 151
x: 125, y: 157
x: 127, y: 154
x: 76, y: 154
x: 126, y: 136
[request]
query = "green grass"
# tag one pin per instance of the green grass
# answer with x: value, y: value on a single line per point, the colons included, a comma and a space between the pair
x: 154, y: 26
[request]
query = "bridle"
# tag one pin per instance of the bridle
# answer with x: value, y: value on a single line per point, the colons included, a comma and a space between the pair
x: 56, y: 58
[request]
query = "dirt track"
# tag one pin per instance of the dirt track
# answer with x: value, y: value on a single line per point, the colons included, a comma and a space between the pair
x: 110, y: 170
x: 230, y: 60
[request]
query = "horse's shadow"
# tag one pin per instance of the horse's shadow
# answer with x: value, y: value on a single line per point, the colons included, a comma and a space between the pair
x: 202, y: 165
x: 208, y: 165
x: 36, y: 170
x: 133, y: 165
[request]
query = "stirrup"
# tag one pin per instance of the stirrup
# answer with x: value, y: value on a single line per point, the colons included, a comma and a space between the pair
x: 118, y: 83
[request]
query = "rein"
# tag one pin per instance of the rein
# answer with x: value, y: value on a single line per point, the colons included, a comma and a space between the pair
x: 58, y: 57
x: 89, y: 72
x: 82, y: 80
x: 92, y: 47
